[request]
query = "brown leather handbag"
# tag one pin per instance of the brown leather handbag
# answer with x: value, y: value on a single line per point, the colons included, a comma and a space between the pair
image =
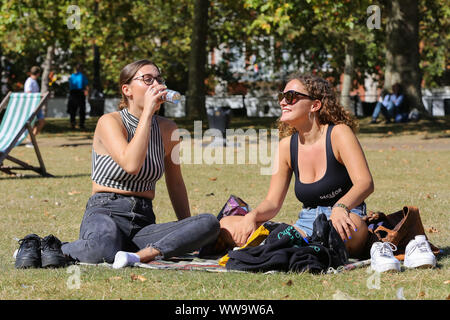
x: 397, y: 228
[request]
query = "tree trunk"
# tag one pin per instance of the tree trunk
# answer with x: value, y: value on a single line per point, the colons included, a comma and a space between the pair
x: 96, y: 83
x: 46, y: 72
x: 195, y: 98
x: 402, y: 51
x: 348, y: 76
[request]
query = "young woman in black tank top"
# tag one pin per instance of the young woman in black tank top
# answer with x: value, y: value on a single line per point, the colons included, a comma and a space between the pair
x: 331, y: 173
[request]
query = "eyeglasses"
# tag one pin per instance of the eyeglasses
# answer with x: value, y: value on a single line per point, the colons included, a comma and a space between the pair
x: 291, y: 96
x: 149, y: 79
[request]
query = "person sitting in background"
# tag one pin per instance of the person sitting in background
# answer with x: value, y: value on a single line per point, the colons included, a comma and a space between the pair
x: 390, y: 106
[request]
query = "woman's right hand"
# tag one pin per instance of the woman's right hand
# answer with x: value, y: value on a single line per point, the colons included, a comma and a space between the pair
x: 240, y: 228
x: 152, y: 97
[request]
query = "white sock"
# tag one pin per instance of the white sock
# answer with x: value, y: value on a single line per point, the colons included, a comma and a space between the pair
x: 123, y: 259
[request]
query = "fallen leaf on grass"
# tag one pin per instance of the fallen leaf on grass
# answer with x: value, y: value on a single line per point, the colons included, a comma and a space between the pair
x: 212, y: 179
x: 288, y: 283
x: 49, y: 215
x: 71, y: 193
x: 135, y: 277
x: 115, y: 278
x: 447, y: 282
x: 432, y: 230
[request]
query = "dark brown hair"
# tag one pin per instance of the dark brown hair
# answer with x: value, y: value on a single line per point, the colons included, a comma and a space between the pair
x: 35, y: 70
x: 127, y: 74
x: 331, y: 111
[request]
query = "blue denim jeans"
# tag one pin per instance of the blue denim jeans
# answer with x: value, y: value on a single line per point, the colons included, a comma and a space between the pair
x: 389, y: 111
x: 114, y: 222
x: 307, y: 216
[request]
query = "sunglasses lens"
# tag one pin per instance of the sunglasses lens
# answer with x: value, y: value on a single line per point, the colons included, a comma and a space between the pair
x: 288, y: 96
x: 280, y: 96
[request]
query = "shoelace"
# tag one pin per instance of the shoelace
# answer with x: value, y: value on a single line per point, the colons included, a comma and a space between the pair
x: 28, y: 240
x: 387, y: 248
x: 50, y: 243
x: 422, y: 246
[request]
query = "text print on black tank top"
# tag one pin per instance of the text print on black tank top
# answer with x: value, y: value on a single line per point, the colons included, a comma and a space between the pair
x: 331, y: 187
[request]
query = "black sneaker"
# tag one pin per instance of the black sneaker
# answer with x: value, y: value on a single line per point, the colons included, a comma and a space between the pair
x: 29, y: 253
x: 51, y: 254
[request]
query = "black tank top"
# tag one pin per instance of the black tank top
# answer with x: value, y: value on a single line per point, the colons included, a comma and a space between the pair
x: 331, y: 187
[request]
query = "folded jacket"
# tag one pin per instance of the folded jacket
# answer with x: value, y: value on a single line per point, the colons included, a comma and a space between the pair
x: 286, y: 250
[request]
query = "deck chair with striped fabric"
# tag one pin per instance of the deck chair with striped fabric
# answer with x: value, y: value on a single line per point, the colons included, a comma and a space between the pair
x: 21, y: 110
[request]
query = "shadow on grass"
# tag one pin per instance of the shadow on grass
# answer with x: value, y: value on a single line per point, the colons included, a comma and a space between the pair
x: 26, y: 177
x: 435, y: 125
x: 62, y: 126
x: 445, y: 252
x: 75, y: 144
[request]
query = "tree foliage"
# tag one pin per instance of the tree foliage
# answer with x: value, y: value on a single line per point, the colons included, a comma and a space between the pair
x: 312, y: 35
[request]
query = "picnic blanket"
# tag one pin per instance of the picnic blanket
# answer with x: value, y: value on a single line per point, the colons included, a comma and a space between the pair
x: 191, y: 262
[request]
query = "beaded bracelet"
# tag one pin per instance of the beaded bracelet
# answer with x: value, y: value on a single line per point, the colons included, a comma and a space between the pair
x: 341, y: 205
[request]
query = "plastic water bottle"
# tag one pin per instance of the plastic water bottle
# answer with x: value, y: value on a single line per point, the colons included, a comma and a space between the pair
x: 172, y: 96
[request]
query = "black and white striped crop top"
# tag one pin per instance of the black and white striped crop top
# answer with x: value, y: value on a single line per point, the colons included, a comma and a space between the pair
x: 106, y: 172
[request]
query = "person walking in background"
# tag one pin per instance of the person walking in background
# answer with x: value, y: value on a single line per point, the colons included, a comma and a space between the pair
x: 77, y: 96
x: 32, y: 86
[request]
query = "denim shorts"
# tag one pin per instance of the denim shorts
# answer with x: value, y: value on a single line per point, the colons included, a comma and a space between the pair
x: 40, y: 115
x: 307, y: 216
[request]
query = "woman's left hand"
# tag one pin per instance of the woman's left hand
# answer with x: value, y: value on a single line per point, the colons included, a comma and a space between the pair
x: 342, y: 222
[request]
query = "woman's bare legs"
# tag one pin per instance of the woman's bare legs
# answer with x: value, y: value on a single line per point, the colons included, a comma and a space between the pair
x: 356, y: 244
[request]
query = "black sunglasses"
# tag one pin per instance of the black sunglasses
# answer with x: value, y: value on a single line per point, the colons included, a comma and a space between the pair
x: 149, y: 79
x: 291, y: 96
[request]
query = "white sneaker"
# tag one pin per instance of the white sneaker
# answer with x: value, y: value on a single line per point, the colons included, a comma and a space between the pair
x: 381, y: 257
x: 29, y: 145
x: 418, y: 254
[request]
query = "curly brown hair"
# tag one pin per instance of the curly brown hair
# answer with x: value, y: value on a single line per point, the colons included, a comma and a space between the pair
x: 331, y: 112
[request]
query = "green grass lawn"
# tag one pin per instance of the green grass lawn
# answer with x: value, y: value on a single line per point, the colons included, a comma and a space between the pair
x: 409, y: 163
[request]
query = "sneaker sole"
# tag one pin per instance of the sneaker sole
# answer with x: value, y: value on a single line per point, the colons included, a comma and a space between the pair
x: 387, y: 268
x: 53, y: 263
x: 27, y: 263
x: 421, y: 264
